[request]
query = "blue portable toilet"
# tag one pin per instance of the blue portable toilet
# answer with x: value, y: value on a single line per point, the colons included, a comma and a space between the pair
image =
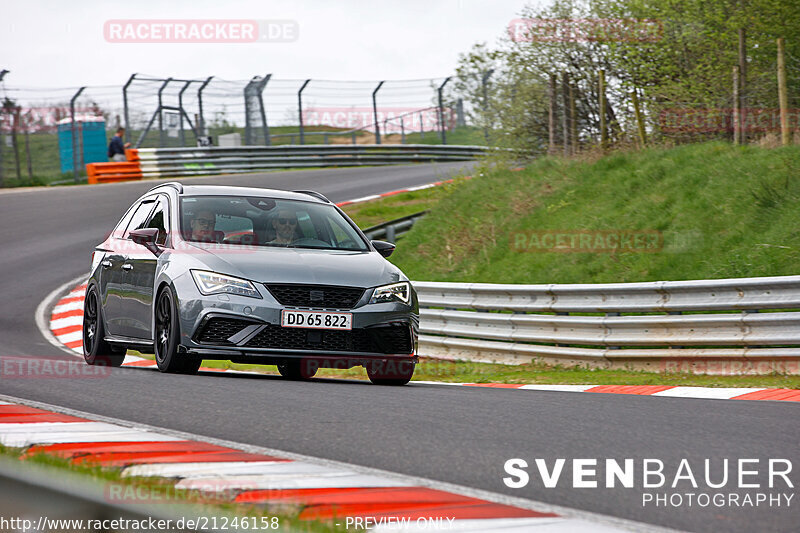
x: 91, y: 133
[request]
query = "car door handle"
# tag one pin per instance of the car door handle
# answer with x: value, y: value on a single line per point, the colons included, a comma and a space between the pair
x: 127, y: 266
x: 106, y: 263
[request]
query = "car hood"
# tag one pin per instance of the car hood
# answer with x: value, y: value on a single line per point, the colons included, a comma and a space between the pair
x: 298, y: 265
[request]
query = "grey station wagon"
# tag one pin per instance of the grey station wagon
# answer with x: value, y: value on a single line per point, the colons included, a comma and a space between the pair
x: 252, y: 276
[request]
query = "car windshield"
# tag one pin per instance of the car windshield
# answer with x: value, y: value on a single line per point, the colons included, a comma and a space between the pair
x: 262, y: 221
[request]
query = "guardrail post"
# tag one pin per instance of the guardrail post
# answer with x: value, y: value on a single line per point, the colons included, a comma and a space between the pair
x: 125, y: 104
x: 300, y: 110
x: 390, y: 234
x: 441, y: 110
x: 375, y: 113
x: 201, y: 123
x: 74, y: 136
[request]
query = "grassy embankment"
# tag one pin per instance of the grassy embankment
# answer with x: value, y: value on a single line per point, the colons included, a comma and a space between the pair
x: 722, y: 212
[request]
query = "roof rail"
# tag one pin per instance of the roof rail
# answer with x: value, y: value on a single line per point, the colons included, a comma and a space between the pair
x: 315, y: 194
x: 174, y: 184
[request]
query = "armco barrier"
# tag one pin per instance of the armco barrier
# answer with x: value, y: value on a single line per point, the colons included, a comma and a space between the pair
x: 748, y: 325
x: 165, y: 162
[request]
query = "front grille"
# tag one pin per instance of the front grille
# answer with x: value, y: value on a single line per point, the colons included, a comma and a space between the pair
x: 317, y: 296
x: 385, y: 339
x: 216, y: 330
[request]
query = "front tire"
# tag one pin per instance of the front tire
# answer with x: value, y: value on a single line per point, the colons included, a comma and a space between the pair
x: 167, y: 338
x: 96, y: 351
x: 390, y: 372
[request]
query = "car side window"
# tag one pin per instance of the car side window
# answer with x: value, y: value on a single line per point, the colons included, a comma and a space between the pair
x: 160, y: 220
x: 139, y: 217
x: 119, y: 229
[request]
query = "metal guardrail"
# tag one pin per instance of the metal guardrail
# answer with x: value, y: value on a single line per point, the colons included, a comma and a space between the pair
x: 163, y: 162
x: 389, y: 231
x: 504, y: 323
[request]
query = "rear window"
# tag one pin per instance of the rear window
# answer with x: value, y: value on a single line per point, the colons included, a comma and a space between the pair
x: 259, y: 221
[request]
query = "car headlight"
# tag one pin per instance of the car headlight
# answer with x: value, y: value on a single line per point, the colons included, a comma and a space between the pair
x: 396, y: 292
x: 213, y: 283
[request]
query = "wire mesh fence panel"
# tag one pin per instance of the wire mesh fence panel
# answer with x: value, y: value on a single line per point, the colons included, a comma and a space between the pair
x: 39, y: 143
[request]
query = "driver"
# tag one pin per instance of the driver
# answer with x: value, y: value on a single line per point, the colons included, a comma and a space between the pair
x: 203, y: 223
x: 285, y: 225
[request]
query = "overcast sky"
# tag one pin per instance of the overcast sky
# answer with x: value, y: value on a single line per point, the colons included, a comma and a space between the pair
x: 62, y: 44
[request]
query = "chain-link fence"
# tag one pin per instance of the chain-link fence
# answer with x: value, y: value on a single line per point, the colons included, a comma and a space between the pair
x: 40, y: 143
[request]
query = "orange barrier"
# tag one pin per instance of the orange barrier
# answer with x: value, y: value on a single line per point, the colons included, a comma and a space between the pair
x: 115, y: 171
x: 111, y: 172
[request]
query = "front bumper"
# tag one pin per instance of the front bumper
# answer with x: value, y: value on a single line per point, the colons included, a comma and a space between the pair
x: 246, y: 329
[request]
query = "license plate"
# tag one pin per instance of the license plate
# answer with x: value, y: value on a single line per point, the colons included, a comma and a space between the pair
x: 316, y: 320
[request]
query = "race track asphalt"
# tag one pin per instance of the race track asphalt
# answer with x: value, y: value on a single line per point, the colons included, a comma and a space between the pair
x: 459, y: 435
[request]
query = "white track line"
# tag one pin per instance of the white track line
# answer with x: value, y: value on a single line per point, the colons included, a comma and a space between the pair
x: 706, y: 392
x: 19, y: 435
x: 559, y: 388
x: 184, y: 470
x: 43, y: 317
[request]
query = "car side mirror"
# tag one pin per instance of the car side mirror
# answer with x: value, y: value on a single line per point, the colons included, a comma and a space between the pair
x: 147, y: 238
x: 384, y: 248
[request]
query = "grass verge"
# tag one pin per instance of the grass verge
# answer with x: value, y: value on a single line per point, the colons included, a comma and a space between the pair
x: 150, y: 491
x: 537, y: 373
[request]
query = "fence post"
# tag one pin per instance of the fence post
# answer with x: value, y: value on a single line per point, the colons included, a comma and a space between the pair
x: 375, y: 112
x: 639, y: 120
x: 28, y: 155
x: 265, y: 126
x: 181, y: 112
x: 15, y: 142
x: 565, y: 114
x: 125, y: 105
x: 737, y: 112
x: 551, y: 127
x: 74, y: 136
x: 201, y: 123
x: 442, y: 125
x: 573, y: 119
x: 742, y: 84
x: 601, y: 84
x: 161, y: 113
x: 486, y: 120
x: 783, y: 95
x: 300, y: 109
x: 402, y: 131
x: 421, y: 128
